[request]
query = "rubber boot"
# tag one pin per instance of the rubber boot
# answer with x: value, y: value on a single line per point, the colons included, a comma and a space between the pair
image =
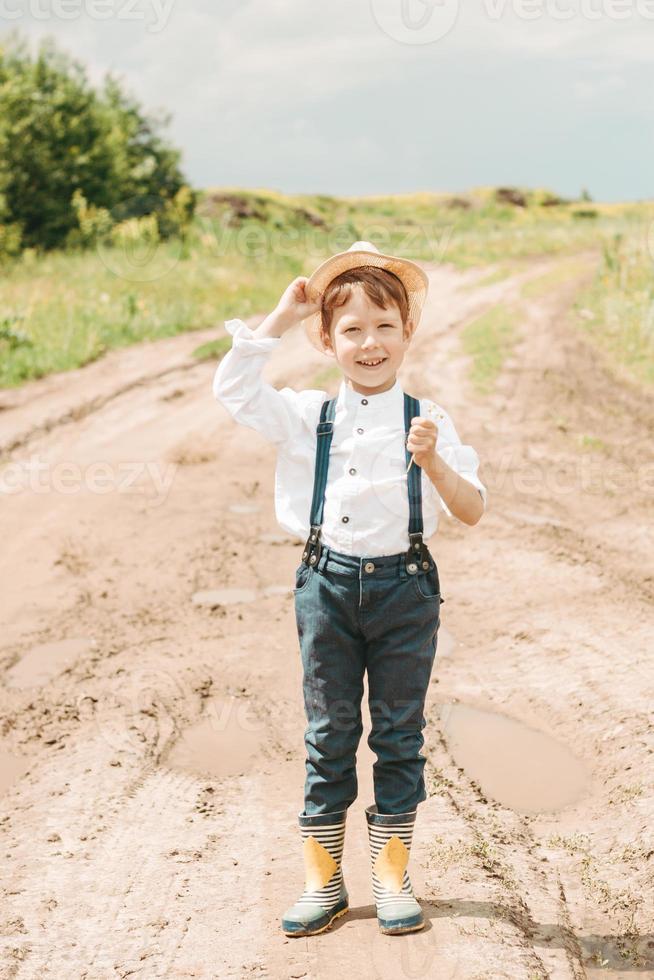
x: 390, y: 836
x: 325, y: 896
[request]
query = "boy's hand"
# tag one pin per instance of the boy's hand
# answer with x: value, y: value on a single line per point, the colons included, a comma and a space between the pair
x: 292, y: 308
x: 293, y: 305
x: 421, y: 440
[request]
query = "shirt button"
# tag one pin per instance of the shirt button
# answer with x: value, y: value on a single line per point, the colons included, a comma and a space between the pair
x: 360, y: 431
x: 345, y: 519
x: 352, y: 470
x: 364, y: 401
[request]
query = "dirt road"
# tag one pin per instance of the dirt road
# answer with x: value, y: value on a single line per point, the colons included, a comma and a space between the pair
x: 151, y: 747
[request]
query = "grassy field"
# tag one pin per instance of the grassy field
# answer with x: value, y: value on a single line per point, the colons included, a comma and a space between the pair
x: 61, y: 310
x: 618, y: 309
x: 488, y: 340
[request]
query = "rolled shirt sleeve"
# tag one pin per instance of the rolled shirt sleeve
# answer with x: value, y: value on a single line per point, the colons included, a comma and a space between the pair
x: 462, y: 458
x: 239, y: 387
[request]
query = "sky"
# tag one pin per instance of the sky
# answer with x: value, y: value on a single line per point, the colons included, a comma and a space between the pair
x: 355, y: 97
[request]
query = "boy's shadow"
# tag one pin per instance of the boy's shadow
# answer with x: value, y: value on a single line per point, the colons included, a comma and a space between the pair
x: 633, y: 954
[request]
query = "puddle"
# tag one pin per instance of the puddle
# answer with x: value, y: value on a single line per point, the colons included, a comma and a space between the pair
x: 223, y: 597
x: 538, y: 519
x: 226, y: 597
x: 518, y: 766
x: 616, y: 958
x: 225, y: 742
x: 12, y: 767
x: 277, y: 589
x: 244, y: 508
x: 446, y: 643
x: 46, y: 660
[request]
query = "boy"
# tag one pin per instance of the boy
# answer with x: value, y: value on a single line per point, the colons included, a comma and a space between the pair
x: 356, y: 476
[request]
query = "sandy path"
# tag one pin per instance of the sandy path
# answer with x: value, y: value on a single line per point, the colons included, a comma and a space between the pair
x: 117, y: 864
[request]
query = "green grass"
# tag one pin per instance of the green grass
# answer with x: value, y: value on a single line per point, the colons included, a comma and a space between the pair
x: 592, y: 444
x: 62, y: 310
x: 542, y: 285
x: 617, y: 309
x: 71, y: 308
x: 324, y: 377
x: 489, y: 340
x: 497, y: 275
x: 213, y: 349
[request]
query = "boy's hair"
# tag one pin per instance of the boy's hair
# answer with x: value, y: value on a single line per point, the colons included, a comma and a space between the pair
x: 380, y: 285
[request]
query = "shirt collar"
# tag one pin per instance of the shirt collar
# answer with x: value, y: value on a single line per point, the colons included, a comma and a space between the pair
x: 383, y: 401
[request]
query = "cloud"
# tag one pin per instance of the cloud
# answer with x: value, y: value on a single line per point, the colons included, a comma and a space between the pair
x: 317, y: 96
x: 599, y: 88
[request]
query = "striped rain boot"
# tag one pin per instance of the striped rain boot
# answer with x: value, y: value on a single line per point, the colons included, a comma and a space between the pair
x: 389, y: 836
x: 325, y: 896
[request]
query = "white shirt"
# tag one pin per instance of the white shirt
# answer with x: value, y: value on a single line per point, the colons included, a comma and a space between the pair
x: 366, y: 479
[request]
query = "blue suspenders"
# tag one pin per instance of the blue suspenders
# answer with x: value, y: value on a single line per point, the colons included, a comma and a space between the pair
x: 418, y: 550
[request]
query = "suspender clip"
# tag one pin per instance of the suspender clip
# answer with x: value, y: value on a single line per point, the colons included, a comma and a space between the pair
x: 313, y: 546
x: 418, y: 555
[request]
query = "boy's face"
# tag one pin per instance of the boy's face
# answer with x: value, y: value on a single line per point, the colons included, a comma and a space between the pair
x: 362, y: 331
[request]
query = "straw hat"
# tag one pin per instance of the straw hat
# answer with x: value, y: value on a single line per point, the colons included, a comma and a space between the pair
x: 363, y: 253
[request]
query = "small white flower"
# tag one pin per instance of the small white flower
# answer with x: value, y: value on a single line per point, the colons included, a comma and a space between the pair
x: 434, y: 413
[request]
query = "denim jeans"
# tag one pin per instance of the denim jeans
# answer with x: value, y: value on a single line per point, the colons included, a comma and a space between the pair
x: 355, y: 614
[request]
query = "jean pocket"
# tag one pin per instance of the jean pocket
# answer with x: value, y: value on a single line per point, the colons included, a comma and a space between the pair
x: 427, y: 585
x: 303, y: 574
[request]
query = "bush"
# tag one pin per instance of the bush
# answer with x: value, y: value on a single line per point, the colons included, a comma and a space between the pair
x: 73, y: 160
x: 93, y: 223
x: 10, y: 241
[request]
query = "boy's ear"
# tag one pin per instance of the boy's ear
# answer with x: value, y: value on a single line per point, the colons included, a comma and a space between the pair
x: 409, y: 329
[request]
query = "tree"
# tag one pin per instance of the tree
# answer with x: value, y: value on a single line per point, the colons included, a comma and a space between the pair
x: 59, y: 136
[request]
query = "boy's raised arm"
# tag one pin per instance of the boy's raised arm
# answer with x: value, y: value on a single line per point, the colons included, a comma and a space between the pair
x: 237, y: 383
x: 274, y: 325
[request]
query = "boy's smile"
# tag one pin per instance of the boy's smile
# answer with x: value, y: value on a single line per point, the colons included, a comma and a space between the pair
x: 368, y: 342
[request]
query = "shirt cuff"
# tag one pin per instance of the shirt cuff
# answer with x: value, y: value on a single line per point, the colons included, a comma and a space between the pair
x: 480, y: 487
x: 464, y: 461
x: 244, y: 339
